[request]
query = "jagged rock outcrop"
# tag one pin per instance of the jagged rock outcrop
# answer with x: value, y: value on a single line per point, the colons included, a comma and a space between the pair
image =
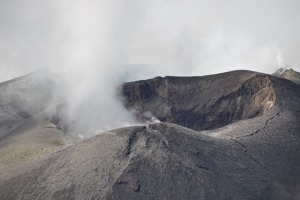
x: 201, y: 103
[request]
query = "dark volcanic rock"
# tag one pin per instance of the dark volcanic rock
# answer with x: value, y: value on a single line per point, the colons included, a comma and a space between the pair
x: 201, y: 103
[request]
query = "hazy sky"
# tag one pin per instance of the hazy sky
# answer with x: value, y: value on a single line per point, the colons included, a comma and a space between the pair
x: 180, y: 37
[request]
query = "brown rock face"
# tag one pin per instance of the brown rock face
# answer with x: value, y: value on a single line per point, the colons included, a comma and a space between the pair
x: 201, y: 103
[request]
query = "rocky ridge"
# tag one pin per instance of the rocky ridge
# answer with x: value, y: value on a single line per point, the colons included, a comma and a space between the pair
x: 201, y: 103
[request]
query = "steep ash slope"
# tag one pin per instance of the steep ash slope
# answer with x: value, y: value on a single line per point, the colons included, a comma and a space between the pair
x: 25, y: 97
x: 159, y: 162
x: 165, y: 161
x: 27, y: 104
x: 34, y: 140
x: 256, y: 158
x: 201, y: 103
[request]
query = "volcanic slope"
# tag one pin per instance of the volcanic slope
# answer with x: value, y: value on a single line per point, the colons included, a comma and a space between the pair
x: 255, y: 156
x: 26, y: 134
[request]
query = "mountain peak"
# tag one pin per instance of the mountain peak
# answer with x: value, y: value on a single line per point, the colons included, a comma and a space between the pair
x: 288, y: 73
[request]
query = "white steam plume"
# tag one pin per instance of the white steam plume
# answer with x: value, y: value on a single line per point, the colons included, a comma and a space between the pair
x: 280, y: 59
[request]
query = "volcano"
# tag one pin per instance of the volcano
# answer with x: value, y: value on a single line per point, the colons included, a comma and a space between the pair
x: 233, y: 135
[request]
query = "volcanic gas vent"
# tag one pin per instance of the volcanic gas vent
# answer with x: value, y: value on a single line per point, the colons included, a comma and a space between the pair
x: 201, y: 103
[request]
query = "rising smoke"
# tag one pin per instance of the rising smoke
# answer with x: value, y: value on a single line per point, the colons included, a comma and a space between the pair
x: 99, y: 44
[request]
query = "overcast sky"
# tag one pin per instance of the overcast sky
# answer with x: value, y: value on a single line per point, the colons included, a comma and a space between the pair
x: 169, y: 37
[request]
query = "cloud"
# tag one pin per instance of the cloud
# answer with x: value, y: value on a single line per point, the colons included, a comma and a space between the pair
x: 169, y: 36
